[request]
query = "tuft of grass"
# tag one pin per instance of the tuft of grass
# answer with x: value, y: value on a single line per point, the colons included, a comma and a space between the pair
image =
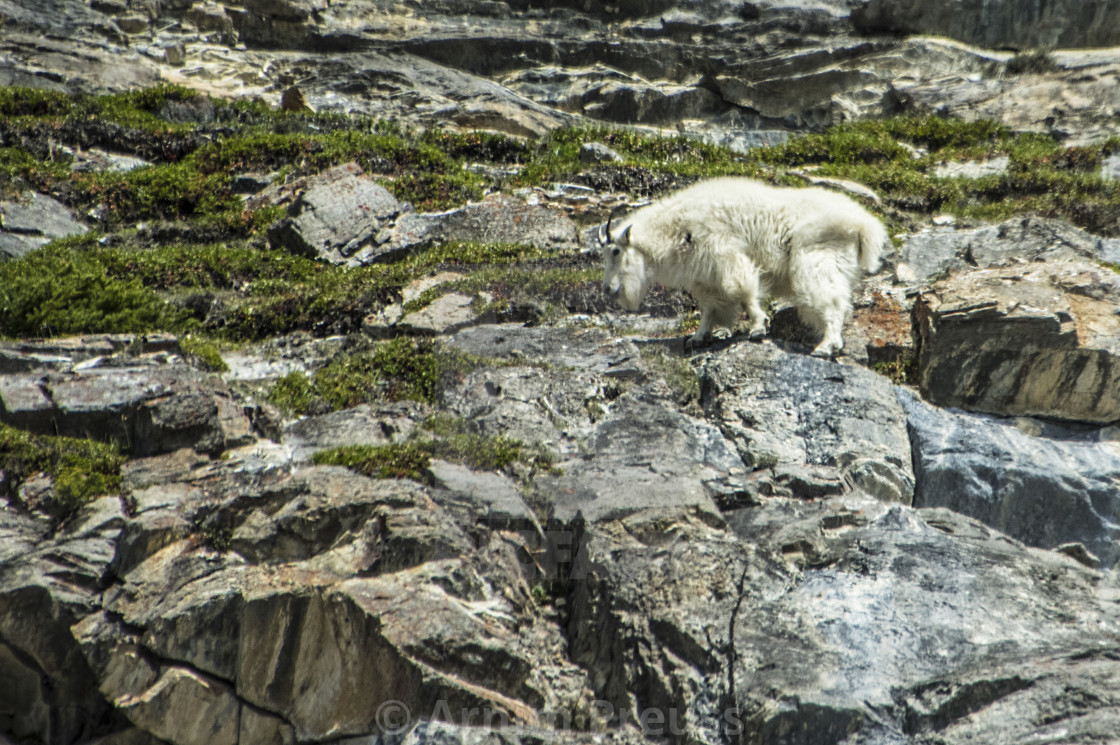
x: 204, y: 351
x: 900, y: 371
x: 512, y: 283
x: 168, y: 191
x: 556, y: 156
x: 409, y: 460
x: 20, y: 170
x: 17, y: 101
x: 677, y: 371
x: 1032, y: 62
x: 294, y: 393
x: 138, y: 109
x: 80, y: 469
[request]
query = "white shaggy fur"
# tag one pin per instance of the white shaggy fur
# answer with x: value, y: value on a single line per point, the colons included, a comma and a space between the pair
x: 731, y: 242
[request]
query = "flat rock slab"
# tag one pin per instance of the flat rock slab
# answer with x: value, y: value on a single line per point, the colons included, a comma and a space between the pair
x: 66, y: 352
x: 148, y: 409
x: 339, y: 213
x: 1042, y: 483
x: 444, y: 315
x: 491, y: 497
x: 902, y: 622
x: 1037, y: 340
x: 999, y: 25
x: 358, y: 425
x: 809, y: 427
x: 932, y: 253
x: 555, y: 383
x: 507, y: 219
x: 645, y: 456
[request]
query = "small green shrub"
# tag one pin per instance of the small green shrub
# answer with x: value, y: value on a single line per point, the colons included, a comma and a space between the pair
x: 294, y: 393
x: 409, y: 460
x: 165, y: 191
x: 900, y: 371
x: 20, y: 170
x: 138, y: 109
x: 16, y: 101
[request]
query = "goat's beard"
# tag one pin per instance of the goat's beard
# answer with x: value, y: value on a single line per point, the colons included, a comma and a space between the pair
x: 632, y: 290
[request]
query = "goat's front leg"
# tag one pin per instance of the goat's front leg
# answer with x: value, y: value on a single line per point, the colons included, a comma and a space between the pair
x: 760, y: 324
x: 703, y: 334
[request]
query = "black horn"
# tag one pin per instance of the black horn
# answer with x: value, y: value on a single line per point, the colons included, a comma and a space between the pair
x: 605, y: 230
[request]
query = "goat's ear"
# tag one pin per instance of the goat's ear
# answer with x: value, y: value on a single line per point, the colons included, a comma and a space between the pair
x: 624, y: 239
x: 605, y: 233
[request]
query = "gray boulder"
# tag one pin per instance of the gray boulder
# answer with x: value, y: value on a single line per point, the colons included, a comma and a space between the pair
x: 339, y: 213
x: 149, y: 409
x: 1042, y: 483
x: 357, y: 587
x: 32, y: 221
x: 48, y: 694
x: 764, y: 633
x: 932, y: 253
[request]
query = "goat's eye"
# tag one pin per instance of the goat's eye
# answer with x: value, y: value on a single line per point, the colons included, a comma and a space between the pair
x: 616, y: 251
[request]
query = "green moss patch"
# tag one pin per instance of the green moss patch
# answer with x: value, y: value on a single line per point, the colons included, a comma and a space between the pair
x: 556, y: 157
x: 398, y: 369
x: 450, y: 440
x: 79, y: 469
x: 204, y: 352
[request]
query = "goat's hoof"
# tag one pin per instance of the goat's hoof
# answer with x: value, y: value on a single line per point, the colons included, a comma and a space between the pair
x: 757, y: 334
x: 824, y: 352
x: 697, y: 341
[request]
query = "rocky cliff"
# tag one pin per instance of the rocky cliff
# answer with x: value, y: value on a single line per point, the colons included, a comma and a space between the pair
x: 315, y: 426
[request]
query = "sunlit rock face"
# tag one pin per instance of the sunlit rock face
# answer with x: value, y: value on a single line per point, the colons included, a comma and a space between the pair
x: 572, y: 526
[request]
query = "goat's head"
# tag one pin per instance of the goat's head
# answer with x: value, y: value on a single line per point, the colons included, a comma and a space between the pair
x: 625, y: 272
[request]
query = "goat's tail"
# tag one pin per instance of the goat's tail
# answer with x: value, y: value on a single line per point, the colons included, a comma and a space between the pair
x: 873, y: 240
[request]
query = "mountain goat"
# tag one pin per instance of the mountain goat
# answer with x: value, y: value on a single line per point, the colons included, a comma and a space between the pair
x: 730, y: 242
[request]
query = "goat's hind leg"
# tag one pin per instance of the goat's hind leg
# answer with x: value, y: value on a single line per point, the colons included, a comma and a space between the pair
x: 745, y: 286
x: 823, y: 295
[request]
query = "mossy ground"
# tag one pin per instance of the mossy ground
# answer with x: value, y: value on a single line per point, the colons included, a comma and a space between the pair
x: 79, y: 469
x: 231, y: 289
